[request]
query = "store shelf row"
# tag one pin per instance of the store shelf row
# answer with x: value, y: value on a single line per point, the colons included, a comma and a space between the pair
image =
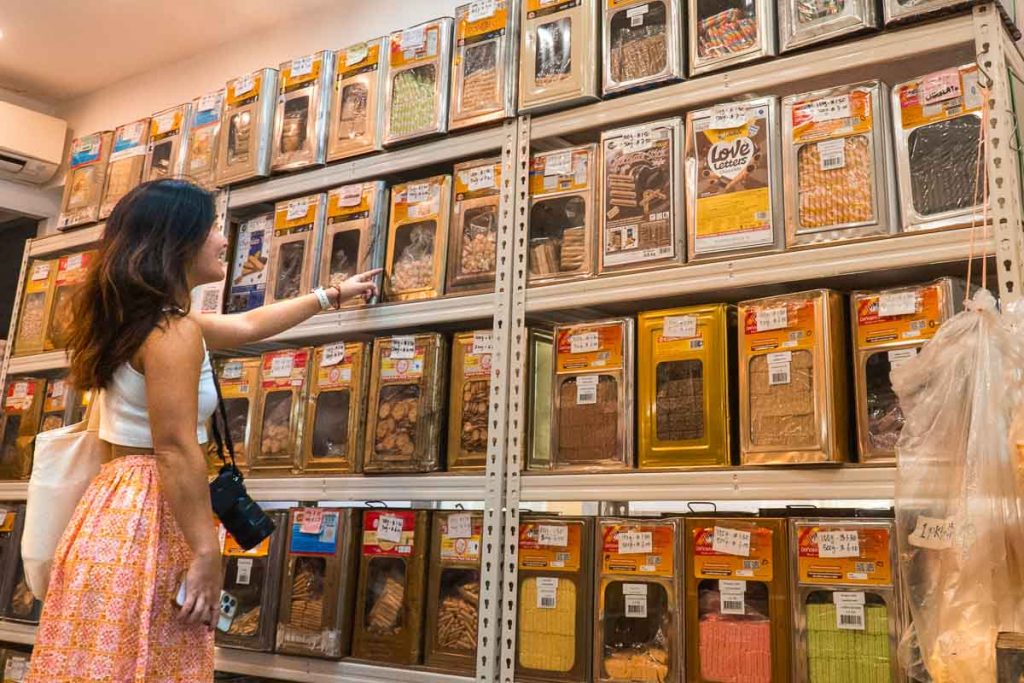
x: 52, y: 245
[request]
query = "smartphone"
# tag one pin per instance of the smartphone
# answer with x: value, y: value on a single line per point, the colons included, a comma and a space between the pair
x: 228, y: 607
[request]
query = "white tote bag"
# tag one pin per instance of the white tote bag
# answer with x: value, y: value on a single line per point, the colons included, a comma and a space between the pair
x: 64, y: 463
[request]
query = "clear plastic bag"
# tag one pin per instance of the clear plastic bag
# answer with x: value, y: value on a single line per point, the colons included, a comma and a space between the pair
x: 958, y: 497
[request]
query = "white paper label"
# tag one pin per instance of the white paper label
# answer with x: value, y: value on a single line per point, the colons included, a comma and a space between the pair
x: 940, y: 86
x: 480, y: 178
x: 133, y: 131
x: 901, y: 356
x: 350, y: 195
x: 74, y: 262
x: 780, y: 358
x: 849, y: 610
x: 232, y: 370
x: 635, y: 542
x: 772, y: 319
x: 481, y: 9
x: 20, y: 390
x: 634, y: 589
x: 553, y: 535
x: 40, y: 271
x: 332, y: 354
x: 417, y: 192
x: 312, y: 520
x: 244, y: 571
x: 281, y: 366
x: 297, y: 208
x: 933, y: 533
x: 559, y: 163
x: 356, y: 54
x: 209, y: 102
x: 460, y: 526
x: 57, y: 390
x: 164, y: 122
x: 637, y: 139
x: 547, y: 592
x: 732, y: 597
x: 403, y: 348
x: 832, y: 154
x: 222, y: 536
x: 330, y: 528
x: 897, y: 303
x: 731, y: 541
x: 679, y: 327
x: 483, y: 343
x: 972, y: 91
x: 726, y: 116
x: 831, y: 108
x: 637, y: 11
x: 586, y: 390
x: 389, y: 528
x: 16, y: 669
x: 779, y: 373
x: 302, y: 66
x: 414, y: 38
x: 244, y: 84
x: 584, y: 342
x: 839, y: 543
x: 635, y: 598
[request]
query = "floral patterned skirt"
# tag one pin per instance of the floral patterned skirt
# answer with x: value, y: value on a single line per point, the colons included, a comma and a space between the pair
x: 109, y: 613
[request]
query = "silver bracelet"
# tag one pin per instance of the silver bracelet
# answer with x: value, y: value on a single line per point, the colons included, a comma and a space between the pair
x: 321, y: 296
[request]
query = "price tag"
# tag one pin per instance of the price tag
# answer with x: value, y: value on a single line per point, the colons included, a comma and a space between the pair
x: 20, y: 390
x: 832, y: 154
x: 281, y: 366
x: 57, y: 390
x: 312, y: 520
x: 210, y: 101
x: 832, y: 108
x: 897, y: 303
x: 389, y: 528
x: 74, y: 262
x: 940, y: 86
x: 838, y: 543
x: 933, y: 533
x: 301, y: 66
x: 636, y: 139
x: 679, y: 327
x: 417, y: 192
x: 732, y: 597
x: 414, y: 38
x: 725, y: 116
x: 40, y: 271
x: 586, y: 390
x: 330, y: 528
x: 480, y: 178
x: 244, y: 84
x: 584, y: 342
x: 635, y: 542
x: 460, y: 526
x: 332, y: 354
x: 558, y: 163
x: 356, y: 54
x: 403, y: 348
x: 244, y: 571
x: 901, y: 356
x: 232, y: 370
x: 547, y: 592
x: 635, y: 597
x: 483, y: 343
x: 297, y: 208
x: 849, y: 610
x: 772, y: 319
x: 731, y: 541
x: 553, y: 535
x: 481, y: 9
x: 350, y: 195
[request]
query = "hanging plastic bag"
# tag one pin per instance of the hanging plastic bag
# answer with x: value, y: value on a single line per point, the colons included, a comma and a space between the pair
x: 958, y: 494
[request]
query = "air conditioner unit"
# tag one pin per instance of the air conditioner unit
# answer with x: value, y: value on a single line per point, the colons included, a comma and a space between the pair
x: 31, y: 144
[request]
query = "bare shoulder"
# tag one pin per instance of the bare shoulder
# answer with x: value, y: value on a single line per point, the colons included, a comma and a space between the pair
x: 178, y: 342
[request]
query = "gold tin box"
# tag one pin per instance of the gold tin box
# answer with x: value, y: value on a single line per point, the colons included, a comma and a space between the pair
x: 276, y: 437
x: 559, y: 54
x: 684, y: 393
x: 807, y: 23
x: 469, y: 400
x: 484, y: 63
x: 204, y: 139
x: 357, y: 103
x: 418, y: 239
x: 541, y: 357
x: 87, y: 174
x: 18, y: 603
x: 554, y: 629
x: 563, y: 189
x: 303, y: 104
x: 56, y: 404
x: 391, y: 597
x: 407, y: 399
x: 638, y: 634
x: 19, y: 424
x: 453, y: 592
x: 71, y: 272
x: 319, y: 587
x: 127, y: 157
x: 792, y: 358
x: 643, y: 44
x: 248, y: 127
x: 168, y: 137
x: 419, y: 75
x: 354, y: 234
x: 240, y: 388
x: 336, y: 414
x: 592, y: 426
x: 737, y: 591
x: 889, y: 328
x: 847, y: 611
x: 476, y: 213
x: 295, y: 247
x: 37, y: 296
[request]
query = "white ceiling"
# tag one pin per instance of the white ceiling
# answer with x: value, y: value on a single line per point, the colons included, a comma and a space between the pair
x: 54, y: 50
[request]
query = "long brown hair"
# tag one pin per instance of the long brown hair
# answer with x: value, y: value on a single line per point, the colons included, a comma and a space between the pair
x: 141, y: 271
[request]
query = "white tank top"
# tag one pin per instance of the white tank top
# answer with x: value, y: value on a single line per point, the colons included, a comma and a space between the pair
x: 124, y: 412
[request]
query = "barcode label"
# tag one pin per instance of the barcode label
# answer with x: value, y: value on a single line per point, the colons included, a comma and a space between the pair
x: 586, y: 390
x: 562, y: 557
x: 244, y: 574
x: 865, y: 567
x: 918, y: 324
x: 547, y: 592
x: 636, y: 606
x: 849, y: 610
x: 901, y: 356
x: 832, y: 154
x: 779, y: 374
x: 751, y: 564
x: 732, y: 597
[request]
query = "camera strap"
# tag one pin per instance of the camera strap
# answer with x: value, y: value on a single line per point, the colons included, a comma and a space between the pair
x: 225, y: 444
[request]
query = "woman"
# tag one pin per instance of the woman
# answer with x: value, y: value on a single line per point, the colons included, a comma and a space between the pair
x: 145, y: 524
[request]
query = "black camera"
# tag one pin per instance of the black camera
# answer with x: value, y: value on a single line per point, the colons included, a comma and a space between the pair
x: 243, y: 518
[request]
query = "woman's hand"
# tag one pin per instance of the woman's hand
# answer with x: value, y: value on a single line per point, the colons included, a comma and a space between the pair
x: 357, y: 285
x: 202, y: 590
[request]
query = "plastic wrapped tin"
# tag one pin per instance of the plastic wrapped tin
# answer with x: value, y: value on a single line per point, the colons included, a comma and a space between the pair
x: 357, y: 105
x: 558, y: 54
x: 733, y: 180
x: 335, y: 416
x: 938, y: 123
x: 249, y: 264
x: 55, y: 405
x: 553, y: 625
x: 127, y: 158
x: 16, y: 601
x: 469, y: 400
x: 453, y: 591
x: 484, y: 63
x: 168, y: 136
x: 240, y: 389
x: 318, y: 590
x: 889, y: 328
x: 10, y: 546
x: 793, y: 401
x: 248, y: 127
x: 295, y: 247
x: 541, y: 358
x: 354, y: 234
x: 71, y: 272
x: 36, y: 307
x: 643, y: 44
x: 838, y: 165
x: 724, y: 33
x: 303, y: 105
x: 19, y: 423
x: 737, y: 600
x: 418, y: 239
x: 639, y: 625
x: 15, y: 664
x: 900, y: 11
x: 847, y: 614
x: 642, y: 220
x: 562, y: 223
x: 592, y: 425
x: 807, y: 22
x: 684, y: 392
x: 253, y: 577
x: 204, y: 139
x: 392, y: 586
x: 276, y: 439
x: 476, y: 212
x: 87, y: 174
x: 416, y: 95
x: 407, y: 400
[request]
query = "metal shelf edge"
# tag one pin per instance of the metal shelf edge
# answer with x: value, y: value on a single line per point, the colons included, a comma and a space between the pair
x: 41, y: 362
x: 417, y: 487
x: 65, y: 241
